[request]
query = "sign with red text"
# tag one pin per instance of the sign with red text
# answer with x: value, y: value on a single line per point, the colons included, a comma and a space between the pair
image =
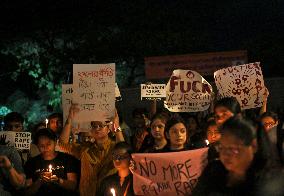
x: 187, y: 91
x: 174, y: 173
x: 94, y: 91
x: 245, y: 82
x: 159, y: 67
x: 153, y: 91
x: 20, y: 140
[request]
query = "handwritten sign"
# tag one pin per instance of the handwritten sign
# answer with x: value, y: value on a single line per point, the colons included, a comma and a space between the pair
x: 153, y: 91
x: 20, y: 140
x: 174, y: 173
x: 187, y: 91
x: 245, y: 82
x: 94, y: 91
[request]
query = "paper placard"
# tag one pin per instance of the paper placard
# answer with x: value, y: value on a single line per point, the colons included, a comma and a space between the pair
x: 187, y: 91
x: 20, y: 140
x: 165, y: 174
x: 153, y: 91
x: 94, y: 91
x: 245, y: 82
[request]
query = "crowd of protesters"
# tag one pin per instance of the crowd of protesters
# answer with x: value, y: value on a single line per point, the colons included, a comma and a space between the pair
x: 245, y: 153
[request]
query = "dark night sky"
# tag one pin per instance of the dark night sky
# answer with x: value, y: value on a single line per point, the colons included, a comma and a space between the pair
x: 202, y: 26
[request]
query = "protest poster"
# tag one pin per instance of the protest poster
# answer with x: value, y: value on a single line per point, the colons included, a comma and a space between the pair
x: 20, y: 140
x: 187, y: 91
x: 245, y: 82
x: 174, y: 173
x: 153, y: 91
x: 94, y: 91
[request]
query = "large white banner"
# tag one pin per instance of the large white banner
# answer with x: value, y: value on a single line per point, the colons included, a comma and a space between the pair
x: 245, y: 82
x: 94, y: 91
x: 187, y: 91
x: 20, y: 140
x: 167, y: 174
x: 153, y: 91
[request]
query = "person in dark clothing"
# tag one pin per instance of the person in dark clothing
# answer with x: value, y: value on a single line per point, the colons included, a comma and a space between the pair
x: 243, y: 168
x: 156, y: 140
x: 176, y: 135
x: 213, y: 137
x: 121, y: 183
x: 51, y: 172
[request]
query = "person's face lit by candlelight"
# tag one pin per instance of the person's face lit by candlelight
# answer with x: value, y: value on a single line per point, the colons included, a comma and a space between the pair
x: 213, y: 135
x: 46, y: 146
x: 121, y: 159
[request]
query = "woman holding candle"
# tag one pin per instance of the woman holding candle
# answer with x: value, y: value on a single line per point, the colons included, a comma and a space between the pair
x: 119, y: 184
x: 51, y: 172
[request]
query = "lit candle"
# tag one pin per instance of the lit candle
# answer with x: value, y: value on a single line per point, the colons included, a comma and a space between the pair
x: 112, y: 191
x: 50, y: 169
x: 207, y: 142
x: 46, y: 122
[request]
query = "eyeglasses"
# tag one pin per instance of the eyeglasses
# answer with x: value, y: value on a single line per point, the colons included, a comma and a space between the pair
x: 269, y: 124
x: 119, y: 157
x: 231, y: 150
x: 95, y: 126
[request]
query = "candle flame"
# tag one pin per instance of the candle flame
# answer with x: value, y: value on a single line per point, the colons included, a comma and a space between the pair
x: 112, y: 191
x: 207, y: 142
x: 50, y: 168
x: 46, y: 122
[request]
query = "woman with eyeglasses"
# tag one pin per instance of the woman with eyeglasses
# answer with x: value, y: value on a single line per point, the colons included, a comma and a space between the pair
x: 243, y: 168
x: 156, y: 140
x: 96, y: 157
x: 120, y: 183
x: 269, y: 121
x: 213, y: 137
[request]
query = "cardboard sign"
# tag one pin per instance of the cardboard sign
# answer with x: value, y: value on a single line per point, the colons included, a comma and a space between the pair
x: 153, y: 91
x: 94, y: 91
x: 20, y: 140
x: 174, y: 173
x: 245, y: 82
x: 159, y: 67
x: 187, y: 91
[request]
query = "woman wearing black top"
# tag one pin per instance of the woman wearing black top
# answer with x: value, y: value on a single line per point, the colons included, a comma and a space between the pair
x: 121, y: 183
x: 243, y: 167
x: 176, y: 135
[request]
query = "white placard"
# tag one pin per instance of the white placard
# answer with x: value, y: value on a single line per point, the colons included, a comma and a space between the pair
x: 20, y: 140
x: 153, y: 91
x: 187, y: 91
x: 245, y: 82
x: 94, y: 91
